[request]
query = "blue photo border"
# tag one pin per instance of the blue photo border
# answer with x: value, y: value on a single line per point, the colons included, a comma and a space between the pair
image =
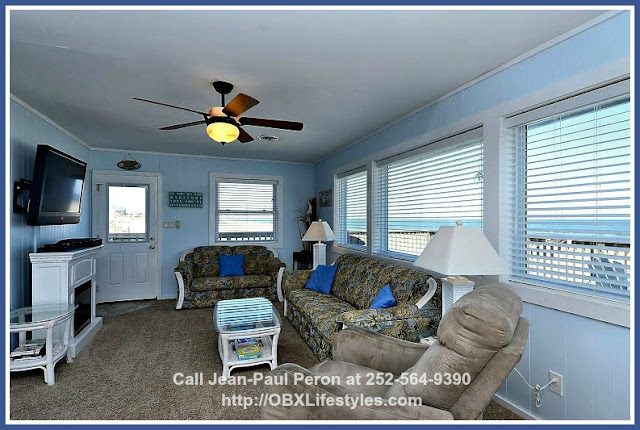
x: 4, y: 195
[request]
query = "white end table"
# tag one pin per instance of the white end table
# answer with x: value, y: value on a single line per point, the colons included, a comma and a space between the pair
x: 39, y: 317
x: 254, y: 317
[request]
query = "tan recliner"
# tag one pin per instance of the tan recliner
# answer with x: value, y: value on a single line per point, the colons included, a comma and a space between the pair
x: 372, y: 376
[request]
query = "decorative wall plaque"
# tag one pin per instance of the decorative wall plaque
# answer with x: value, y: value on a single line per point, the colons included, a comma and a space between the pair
x: 185, y: 199
x: 325, y: 198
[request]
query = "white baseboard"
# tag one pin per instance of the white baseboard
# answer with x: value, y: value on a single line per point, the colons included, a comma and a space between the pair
x: 513, y: 408
x: 169, y: 297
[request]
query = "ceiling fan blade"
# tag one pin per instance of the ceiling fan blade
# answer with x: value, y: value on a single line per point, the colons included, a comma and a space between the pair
x: 186, y: 124
x: 171, y: 106
x: 273, y: 123
x: 239, y: 104
x: 244, y: 137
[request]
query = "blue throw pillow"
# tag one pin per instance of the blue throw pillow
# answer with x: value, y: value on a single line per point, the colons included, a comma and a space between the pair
x: 384, y: 299
x: 322, y: 278
x: 231, y: 265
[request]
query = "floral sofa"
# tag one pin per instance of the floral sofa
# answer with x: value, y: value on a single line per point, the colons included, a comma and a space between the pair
x: 199, y: 285
x: 318, y: 317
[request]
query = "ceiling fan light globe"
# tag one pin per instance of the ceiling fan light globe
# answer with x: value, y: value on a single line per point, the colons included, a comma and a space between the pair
x: 223, y: 132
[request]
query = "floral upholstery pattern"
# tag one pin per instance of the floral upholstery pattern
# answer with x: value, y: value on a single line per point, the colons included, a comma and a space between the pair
x: 252, y: 281
x: 211, y: 283
x: 319, y: 317
x: 205, y: 260
x: 204, y: 299
x: 202, y: 287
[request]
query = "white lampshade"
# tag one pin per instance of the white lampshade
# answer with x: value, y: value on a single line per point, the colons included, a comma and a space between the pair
x: 319, y: 231
x: 461, y: 250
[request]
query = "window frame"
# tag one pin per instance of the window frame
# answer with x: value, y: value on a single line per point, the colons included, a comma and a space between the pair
x: 338, y: 205
x: 538, y: 293
x: 215, y: 177
x: 452, y: 142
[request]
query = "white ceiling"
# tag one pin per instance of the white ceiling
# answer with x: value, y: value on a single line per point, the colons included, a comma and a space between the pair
x: 344, y: 74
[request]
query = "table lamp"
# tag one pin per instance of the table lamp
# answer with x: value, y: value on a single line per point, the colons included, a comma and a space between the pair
x: 459, y: 251
x: 319, y: 231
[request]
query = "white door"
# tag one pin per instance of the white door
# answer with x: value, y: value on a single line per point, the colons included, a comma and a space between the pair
x: 125, y: 217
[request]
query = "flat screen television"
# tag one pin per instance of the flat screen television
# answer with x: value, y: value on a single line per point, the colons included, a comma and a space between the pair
x: 56, y: 189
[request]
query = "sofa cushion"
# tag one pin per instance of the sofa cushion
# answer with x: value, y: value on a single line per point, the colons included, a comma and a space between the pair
x: 231, y: 265
x: 384, y: 299
x: 205, y: 260
x: 321, y: 279
x: 317, y: 307
x: 358, y: 279
x: 252, y: 281
x: 477, y: 326
x: 255, y: 258
x: 211, y: 283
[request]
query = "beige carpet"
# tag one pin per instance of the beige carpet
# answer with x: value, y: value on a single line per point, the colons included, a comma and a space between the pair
x: 126, y: 372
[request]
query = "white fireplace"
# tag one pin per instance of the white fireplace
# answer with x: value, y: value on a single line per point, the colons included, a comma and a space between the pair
x: 55, y: 278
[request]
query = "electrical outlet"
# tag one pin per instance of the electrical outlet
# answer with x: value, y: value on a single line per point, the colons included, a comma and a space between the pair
x: 556, y: 387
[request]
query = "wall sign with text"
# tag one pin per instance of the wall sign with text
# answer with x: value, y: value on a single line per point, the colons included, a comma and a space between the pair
x: 185, y: 199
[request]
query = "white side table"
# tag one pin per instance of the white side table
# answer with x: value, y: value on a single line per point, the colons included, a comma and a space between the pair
x: 254, y: 317
x: 39, y: 317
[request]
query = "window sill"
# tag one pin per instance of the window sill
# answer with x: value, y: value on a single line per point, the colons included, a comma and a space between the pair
x: 340, y: 249
x: 270, y: 245
x: 609, y: 311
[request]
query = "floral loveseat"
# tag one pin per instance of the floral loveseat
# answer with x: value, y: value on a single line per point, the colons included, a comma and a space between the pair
x: 199, y: 285
x: 318, y: 317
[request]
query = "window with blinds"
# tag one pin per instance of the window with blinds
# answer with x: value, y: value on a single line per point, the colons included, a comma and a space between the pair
x: 416, y: 194
x: 572, y: 179
x: 246, y: 210
x: 351, y: 209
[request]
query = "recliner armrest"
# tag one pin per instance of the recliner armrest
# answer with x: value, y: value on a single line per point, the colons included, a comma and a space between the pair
x: 327, y: 402
x: 376, y: 351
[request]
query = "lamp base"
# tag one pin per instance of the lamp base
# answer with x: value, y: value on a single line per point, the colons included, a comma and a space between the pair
x: 452, y: 289
x: 319, y: 254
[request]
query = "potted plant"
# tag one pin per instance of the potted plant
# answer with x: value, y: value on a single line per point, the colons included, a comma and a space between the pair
x: 305, y: 216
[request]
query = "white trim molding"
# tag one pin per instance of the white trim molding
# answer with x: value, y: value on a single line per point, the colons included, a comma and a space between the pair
x: 213, y: 176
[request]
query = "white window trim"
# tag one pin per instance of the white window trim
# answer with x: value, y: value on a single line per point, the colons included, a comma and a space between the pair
x: 213, y: 177
x: 451, y: 141
x: 590, y: 306
x: 337, y: 175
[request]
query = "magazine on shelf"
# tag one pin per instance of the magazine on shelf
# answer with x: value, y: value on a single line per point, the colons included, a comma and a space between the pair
x: 32, y: 348
x: 249, y: 351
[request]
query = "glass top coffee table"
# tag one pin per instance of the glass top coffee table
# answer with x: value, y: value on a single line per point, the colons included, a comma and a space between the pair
x: 40, y: 353
x: 248, y: 331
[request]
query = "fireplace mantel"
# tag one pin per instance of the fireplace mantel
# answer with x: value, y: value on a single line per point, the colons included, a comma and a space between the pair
x: 54, y: 277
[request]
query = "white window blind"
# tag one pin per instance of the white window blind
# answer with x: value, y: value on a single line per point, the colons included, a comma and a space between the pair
x: 417, y: 194
x: 246, y: 210
x: 351, y: 209
x: 571, y: 194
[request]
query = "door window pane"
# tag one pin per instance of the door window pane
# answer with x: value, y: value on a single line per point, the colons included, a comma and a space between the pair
x: 128, y: 213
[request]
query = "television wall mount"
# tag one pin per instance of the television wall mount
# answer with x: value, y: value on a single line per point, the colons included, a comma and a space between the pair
x: 19, y: 187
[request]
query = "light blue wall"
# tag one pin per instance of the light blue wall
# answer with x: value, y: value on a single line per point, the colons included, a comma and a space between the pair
x: 27, y: 130
x: 592, y: 356
x: 192, y: 174
x: 598, y: 46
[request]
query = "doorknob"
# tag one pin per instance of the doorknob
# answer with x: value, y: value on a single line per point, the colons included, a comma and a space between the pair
x: 152, y: 247
x: 152, y: 238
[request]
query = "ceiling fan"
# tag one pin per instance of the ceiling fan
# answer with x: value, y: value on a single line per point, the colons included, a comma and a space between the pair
x: 224, y: 124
